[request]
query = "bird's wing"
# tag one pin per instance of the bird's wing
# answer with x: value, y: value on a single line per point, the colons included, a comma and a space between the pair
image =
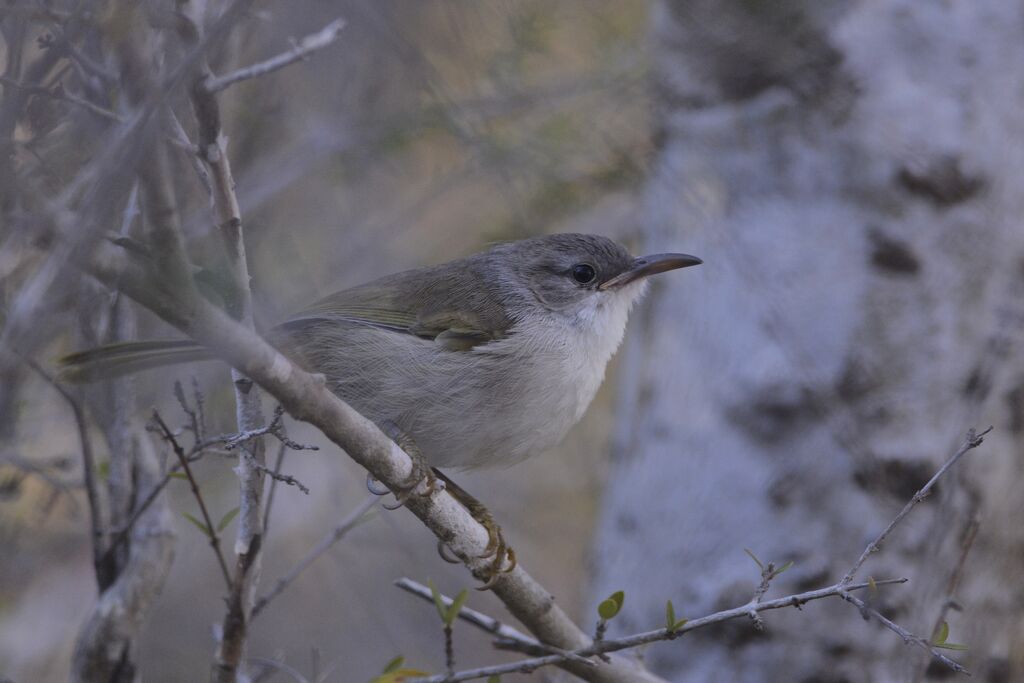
x: 431, y: 303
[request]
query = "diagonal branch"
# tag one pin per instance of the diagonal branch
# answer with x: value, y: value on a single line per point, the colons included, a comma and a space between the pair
x: 350, y: 522
x: 211, y: 530
x: 973, y: 440
x: 305, y: 47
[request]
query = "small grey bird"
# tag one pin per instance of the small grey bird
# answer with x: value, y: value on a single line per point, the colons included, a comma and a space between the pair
x: 480, y: 361
x: 484, y: 360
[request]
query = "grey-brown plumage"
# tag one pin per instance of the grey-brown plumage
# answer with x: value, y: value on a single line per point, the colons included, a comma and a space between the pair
x: 481, y: 361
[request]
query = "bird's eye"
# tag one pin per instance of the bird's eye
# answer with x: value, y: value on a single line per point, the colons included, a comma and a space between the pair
x: 583, y: 273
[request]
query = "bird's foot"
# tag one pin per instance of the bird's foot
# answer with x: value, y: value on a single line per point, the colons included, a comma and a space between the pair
x: 503, y: 558
x: 421, y: 477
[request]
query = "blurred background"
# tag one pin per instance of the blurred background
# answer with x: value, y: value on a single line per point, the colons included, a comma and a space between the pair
x: 852, y: 174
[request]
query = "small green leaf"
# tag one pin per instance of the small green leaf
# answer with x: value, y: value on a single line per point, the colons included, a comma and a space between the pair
x: 442, y: 611
x: 952, y: 646
x: 754, y: 558
x: 783, y: 567
x: 607, y: 609
x: 619, y: 597
x: 453, y: 609
x: 941, y: 633
x: 394, y: 664
x: 202, y: 527
x: 872, y: 586
x: 226, y: 519
x: 670, y: 616
x: 679, y: 624
x: 178, y: 475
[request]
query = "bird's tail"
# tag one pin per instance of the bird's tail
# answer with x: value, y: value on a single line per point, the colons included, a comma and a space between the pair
x: 115, y: 360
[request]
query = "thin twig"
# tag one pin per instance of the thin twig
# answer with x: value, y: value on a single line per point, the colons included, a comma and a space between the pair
x: 278, y: 462
x: 305, y: 47
x: 210, y: 528
x: 96, y: 524
x: 276, y: 476
x: 63, y: 96
x: 275, y: 429
x: 323, y: 546
x: 973, y: 440
x: 908, y: 637
x: 510, y: 638
x: 629, y: 642
x: 121, y: 535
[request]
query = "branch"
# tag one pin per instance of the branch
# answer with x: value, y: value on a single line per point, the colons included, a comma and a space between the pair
x: 274, y: 429
x: 305, y: 47
x: 752, y: 609
x: 972, y: 441
x: 323, y: 546
x: 508, y: 638
x: 908, y: 637
x: 635, y: 640
x: 211, y: 530
x: 100, y: 559
x: 62, y: 95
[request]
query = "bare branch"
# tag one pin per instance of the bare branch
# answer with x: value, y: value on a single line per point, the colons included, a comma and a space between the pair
x: 508, y: 638
x: 973, y: 440
x: 305, y: 47
x: 63, y: 96
x: 274, y: 429
x: 283, y: 478
x: 346, y: 525
x: 211, y: 529
x: 908, y: 637
x: 99, y: 556
x: 629, y: 642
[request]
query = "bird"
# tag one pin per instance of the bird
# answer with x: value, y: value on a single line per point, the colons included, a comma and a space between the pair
x: 482, y: 361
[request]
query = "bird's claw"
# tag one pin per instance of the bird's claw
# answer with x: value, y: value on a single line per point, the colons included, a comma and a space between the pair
x: 422, y: 473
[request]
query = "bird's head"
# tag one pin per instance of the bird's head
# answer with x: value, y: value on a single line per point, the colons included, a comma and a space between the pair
x: 578, y: 276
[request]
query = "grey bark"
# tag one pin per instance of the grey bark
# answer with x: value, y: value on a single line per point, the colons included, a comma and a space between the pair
x: 852, y: 175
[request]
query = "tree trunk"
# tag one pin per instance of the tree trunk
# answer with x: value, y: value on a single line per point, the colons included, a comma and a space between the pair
x: 852, y: 175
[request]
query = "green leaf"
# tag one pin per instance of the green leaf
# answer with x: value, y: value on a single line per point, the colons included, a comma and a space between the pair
x: 619, y: 597
x: 754, y: 558
x: 783, y: 567
x: 671, y: 625
x: 226, y: 519
x: 453, y: 609
x: 442, y: 611
x: 952, y: 646
x: 872, y: 586
x: 178, y: 475
x: 941, y: 633
x: 394, y: 664
x: 607, y: 609
x: 202, y: 527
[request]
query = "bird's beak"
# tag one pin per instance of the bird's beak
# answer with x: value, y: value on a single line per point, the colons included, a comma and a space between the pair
x: 650, y: 265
